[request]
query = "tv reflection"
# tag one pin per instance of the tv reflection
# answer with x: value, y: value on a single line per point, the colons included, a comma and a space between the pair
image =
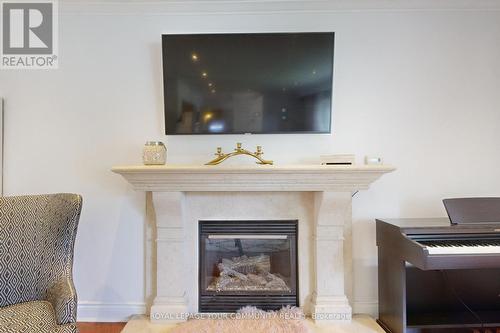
x: 249, y: 111
x: 213, y: 121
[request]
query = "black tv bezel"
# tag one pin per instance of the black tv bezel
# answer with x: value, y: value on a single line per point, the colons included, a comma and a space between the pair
x: 164, y: 36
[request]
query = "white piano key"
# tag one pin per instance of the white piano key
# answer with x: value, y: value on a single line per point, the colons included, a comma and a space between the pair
x: 486, y: 249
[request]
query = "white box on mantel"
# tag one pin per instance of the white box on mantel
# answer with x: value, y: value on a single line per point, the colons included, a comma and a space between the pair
x: 338, y: 159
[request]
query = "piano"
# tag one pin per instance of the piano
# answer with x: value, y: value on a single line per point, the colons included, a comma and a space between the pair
x: 441, y: 274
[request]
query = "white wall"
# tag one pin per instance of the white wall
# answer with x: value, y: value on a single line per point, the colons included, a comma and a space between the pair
x: 419, y: 86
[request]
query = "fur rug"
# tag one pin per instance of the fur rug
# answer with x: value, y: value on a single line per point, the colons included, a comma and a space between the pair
x: 250, y: 320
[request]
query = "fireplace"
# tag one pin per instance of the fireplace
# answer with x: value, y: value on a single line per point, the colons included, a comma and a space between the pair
x: 247, y: 263
x: 319, y: 197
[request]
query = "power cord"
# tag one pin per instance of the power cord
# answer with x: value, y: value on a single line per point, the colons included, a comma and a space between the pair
x: 448, y: 283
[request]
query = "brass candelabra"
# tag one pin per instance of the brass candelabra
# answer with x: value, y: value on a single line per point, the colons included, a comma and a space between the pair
x: 221, y: 157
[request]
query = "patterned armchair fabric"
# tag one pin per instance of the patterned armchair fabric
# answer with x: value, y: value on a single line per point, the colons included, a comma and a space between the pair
x: 37, y: 237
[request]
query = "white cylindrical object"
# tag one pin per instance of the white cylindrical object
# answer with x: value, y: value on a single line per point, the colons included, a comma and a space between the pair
x: 373, y: 160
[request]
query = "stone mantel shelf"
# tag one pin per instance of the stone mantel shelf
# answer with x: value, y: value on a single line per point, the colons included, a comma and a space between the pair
x: 202, y: 178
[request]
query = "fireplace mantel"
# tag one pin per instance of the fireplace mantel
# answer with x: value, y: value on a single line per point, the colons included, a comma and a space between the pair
x: 193, y: 178
x: 319, y: 197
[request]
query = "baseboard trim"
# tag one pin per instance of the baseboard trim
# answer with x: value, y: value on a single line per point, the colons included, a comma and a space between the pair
x: 108, y: 312
x: 367, y: 307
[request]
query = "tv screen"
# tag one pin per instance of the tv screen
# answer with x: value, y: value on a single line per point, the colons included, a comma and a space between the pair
x: 248, y: 83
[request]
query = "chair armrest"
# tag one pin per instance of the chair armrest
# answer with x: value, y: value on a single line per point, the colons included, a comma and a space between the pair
x: 62, y: 296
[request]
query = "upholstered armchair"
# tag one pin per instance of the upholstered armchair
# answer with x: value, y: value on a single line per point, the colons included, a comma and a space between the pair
x: 37, y: 237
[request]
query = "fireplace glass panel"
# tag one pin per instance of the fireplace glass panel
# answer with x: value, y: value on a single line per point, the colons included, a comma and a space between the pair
x: 248, y: 263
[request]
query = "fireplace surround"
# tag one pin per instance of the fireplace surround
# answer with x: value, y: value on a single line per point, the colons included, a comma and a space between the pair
x: 318, y: 197
x: 247, y: 263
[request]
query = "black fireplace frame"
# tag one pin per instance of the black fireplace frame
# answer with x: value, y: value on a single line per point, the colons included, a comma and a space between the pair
x: 230, y: 301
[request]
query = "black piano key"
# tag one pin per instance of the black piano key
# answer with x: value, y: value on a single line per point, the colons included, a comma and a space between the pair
x: 460, y: 242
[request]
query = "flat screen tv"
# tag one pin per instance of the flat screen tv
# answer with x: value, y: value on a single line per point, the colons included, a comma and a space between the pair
x: 248, y: 83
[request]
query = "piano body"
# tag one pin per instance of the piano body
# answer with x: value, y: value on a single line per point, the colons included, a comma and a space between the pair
x: 437, y: 276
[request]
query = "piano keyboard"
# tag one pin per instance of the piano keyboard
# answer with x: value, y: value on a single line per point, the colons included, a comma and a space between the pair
x: 477, y: 246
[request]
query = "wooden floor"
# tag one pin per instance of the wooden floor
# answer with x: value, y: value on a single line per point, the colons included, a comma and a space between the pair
x: 100, y: 327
